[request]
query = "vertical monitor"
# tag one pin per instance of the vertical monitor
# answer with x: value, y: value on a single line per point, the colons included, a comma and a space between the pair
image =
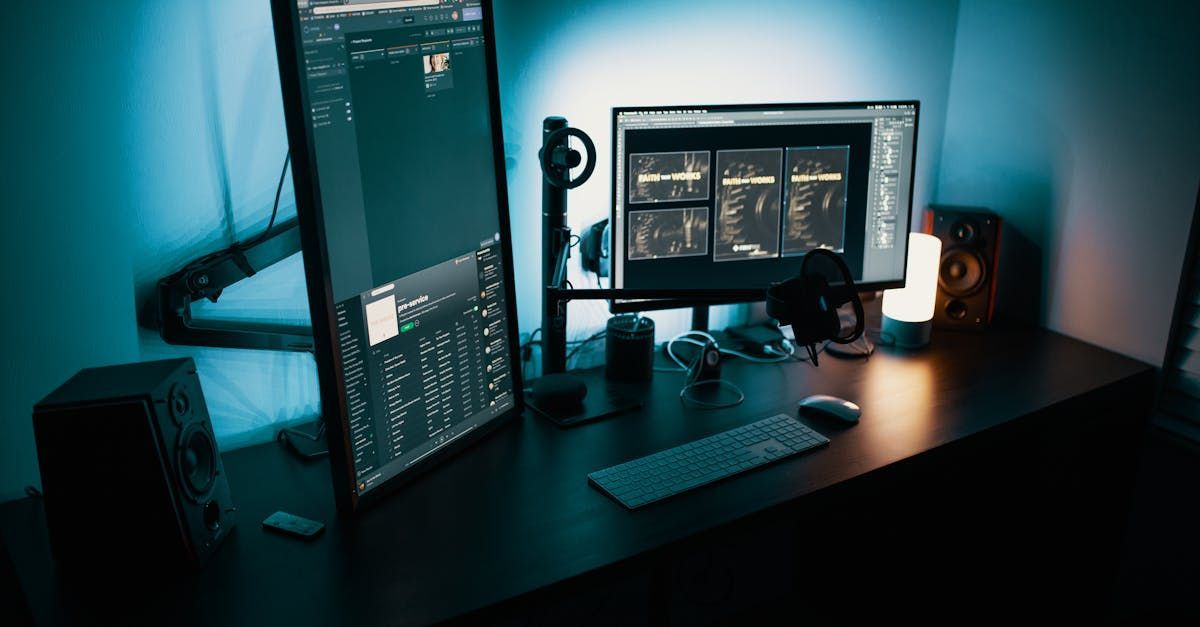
x: 729, y: 198
x: 394, y: 130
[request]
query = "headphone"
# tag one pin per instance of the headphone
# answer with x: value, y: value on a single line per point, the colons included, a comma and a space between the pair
x: 809, y: 304
x: 593, y: 248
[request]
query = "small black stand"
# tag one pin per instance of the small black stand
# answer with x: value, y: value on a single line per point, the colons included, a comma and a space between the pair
x: 594, y: 407
x: 306, y: 441
x: 700, y: 318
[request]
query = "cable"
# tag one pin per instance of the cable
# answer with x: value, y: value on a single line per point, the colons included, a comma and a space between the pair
x: 757, y: 360
x: 809, y: 357
x: 686, y: 398
x: 581, y: 343
x: 286, y: 435
x: 577, y: 345
x: 287, y: 159
x: 862, y: 348
x: 196, y: 263
x: 684, y: 337
x: 786, y: 350
x: 691, y: 383
x: 528, y: 344
x: 527, y: 351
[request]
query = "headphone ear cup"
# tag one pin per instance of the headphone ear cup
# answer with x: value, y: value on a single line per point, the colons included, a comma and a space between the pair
x: 860, y: 318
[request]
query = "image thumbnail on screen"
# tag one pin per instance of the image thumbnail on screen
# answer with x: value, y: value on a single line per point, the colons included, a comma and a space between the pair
x: 816, y: 199
x: 668, y: 176
x: 665, y: 233
x: 748, y: 192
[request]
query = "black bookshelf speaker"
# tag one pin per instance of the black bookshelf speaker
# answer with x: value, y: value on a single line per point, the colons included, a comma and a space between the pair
x: 131, y: 474
x: 967, y: 274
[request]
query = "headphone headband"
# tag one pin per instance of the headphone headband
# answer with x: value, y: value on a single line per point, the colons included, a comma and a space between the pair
x: 809, y: 303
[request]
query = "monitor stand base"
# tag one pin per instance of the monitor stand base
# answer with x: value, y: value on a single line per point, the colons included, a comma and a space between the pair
x: 604, y: 399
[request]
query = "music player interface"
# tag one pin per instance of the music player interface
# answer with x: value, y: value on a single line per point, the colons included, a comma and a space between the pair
x: 425, y: 361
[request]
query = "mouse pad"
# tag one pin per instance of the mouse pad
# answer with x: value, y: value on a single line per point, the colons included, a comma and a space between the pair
x: 594, y: 407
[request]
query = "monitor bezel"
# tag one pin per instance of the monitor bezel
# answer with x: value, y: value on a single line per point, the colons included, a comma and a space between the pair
x: 309, y: 210
x: 734, y: 296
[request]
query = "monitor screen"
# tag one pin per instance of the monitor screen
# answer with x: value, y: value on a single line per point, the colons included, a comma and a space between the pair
x: 730, y: 198
x: 394, y: 129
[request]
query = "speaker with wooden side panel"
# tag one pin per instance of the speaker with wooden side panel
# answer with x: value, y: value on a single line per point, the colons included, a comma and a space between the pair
x: 131, y: 474
x: 967, y: 275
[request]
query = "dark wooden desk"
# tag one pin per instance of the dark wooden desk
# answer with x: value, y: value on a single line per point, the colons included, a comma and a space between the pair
x: 512, y: 523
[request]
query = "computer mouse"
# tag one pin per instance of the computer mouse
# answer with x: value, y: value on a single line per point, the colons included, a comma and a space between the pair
x: 825, y: 406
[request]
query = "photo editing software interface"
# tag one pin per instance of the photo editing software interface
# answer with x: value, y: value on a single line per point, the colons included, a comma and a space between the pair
x: 732, y: 197
x: 398, y: 106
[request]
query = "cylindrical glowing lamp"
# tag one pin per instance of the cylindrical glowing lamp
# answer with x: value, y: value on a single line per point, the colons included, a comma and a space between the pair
x: 908, y: 312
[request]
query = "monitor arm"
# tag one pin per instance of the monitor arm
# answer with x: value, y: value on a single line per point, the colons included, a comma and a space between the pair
x: 557, y: 158
x: 207, y: 277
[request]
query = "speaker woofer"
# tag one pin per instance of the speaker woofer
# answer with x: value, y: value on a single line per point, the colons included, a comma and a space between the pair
x: 197, y: 464
x: 963, y: 271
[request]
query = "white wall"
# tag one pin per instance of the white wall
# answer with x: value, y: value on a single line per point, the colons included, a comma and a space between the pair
x: 137, y: 135
x: 66, y: 213
x: 1077, y: 122
x: 206, y: 149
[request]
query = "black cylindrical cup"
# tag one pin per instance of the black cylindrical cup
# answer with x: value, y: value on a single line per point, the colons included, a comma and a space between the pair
x: 629, y: 349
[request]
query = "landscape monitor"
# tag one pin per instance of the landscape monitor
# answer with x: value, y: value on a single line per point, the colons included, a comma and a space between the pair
x: 729, y: 198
